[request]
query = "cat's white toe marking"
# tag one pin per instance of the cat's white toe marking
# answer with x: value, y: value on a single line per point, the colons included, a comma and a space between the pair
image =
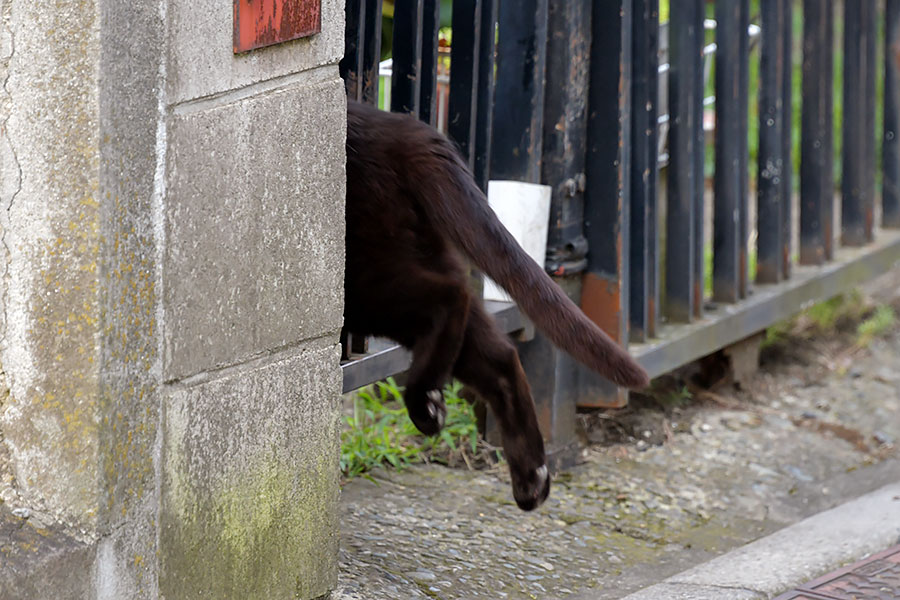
x: 541, y: 474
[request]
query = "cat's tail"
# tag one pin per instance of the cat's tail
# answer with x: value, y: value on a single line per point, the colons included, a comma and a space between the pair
x: 494, y: 250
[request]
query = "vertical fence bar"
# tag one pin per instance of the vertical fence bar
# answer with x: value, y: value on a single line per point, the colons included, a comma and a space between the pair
x: 857, y: 202
x: 743, y: 170
x: 816, y: 187
x: 553, y: 374
x: 406, y: 79
x: 359, y: 344
x: 515, y: 153
x: 771, y: 159
x: 608, y: 165
x: 516, y: 147
x: 464, y: 75
x: 371, y: 51
x: 890, y: 200
x: 787, y: 119
x: 699, y: 159
x: 644, y: 256
x: 351, y: 65
x: 729, y: 248
x: 345, y: 345
x: 431, y: 22
x: 871, y: 25
x: 472, y: 52
x: 485, y: 96
x: 828, y: 207
x: 682, y: 286
x: 565, y: 131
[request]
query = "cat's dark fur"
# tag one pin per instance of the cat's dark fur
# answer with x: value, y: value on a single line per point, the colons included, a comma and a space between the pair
x: 413, y: 213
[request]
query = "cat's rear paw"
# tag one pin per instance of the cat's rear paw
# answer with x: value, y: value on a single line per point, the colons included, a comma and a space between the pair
x: 427, y: 410
x: 530, y: 488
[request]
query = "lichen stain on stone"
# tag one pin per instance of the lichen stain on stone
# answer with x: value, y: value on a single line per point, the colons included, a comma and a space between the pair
x: 129, y: 399
x: 58, y: 421
x: 51, y: 427
x: 261, y: 524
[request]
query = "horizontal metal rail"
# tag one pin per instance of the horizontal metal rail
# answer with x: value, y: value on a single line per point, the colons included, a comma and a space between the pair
x: 386, y: 358
x: 725, y: 324
x: 676, y: 345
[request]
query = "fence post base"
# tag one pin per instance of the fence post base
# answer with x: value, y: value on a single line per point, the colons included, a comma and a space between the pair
x: 743, y: 358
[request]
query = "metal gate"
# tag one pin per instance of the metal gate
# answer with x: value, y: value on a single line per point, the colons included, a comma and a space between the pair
x: 614, y: 111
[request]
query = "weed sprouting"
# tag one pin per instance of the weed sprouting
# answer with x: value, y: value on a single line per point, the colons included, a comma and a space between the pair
x: 876, y: 325
x: 380, y: 433
x: 826, y: 316
x: 844, y: 313
x: 678, y: 397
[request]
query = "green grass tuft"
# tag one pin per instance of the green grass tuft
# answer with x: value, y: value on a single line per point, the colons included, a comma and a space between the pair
x: 837, y: 312
x: 882, y: 320
x: 825, y: 315
x: 675, y: 398
x: 379, y: 432
x: 843, y: 313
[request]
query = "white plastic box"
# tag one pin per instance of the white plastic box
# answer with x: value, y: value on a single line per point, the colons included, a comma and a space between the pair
x: 524, y: 208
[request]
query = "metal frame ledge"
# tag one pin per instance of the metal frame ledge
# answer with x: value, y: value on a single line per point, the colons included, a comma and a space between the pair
x: 725, y: 324
x: 386, y: 358
x: 679, y: 344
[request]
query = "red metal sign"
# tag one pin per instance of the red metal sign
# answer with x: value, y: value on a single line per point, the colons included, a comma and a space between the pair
x: 259, y: 23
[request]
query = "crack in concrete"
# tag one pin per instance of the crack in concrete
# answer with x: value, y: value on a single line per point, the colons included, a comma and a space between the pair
x: 18, y: 186
x: 5, y: 133
x: 5, y: 224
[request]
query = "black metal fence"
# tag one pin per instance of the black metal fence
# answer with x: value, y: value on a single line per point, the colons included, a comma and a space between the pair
x: 568, y: 94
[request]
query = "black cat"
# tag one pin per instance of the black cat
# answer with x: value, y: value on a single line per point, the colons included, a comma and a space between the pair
x: 413, y: 212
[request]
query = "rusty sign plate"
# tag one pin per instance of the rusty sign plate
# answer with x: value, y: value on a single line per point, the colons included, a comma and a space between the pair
x: 259, y: 23
x: 876, y: 578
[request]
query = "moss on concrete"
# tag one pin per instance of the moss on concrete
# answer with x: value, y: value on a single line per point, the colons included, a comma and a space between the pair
x: 250, y: 483
x: 267, y: 533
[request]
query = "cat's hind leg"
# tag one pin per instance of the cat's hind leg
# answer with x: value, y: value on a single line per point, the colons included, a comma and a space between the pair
x: 488, y: 362
x: 435, y: 308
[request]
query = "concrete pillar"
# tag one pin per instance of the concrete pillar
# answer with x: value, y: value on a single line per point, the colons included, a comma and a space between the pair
x: 172, y: 250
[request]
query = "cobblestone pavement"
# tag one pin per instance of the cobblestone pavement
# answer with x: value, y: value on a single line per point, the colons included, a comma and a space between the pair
x: 817, y: 427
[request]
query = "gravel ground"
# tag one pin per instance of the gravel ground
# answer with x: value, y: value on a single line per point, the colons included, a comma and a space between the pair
x: 659, y: 488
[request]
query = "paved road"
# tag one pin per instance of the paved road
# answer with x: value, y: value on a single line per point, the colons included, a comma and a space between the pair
x: 817, y: 428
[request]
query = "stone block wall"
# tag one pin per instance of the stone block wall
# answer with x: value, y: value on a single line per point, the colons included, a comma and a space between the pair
x: 172, y: 250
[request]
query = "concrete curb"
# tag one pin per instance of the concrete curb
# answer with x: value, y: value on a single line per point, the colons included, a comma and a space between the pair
x: 792, y: 556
